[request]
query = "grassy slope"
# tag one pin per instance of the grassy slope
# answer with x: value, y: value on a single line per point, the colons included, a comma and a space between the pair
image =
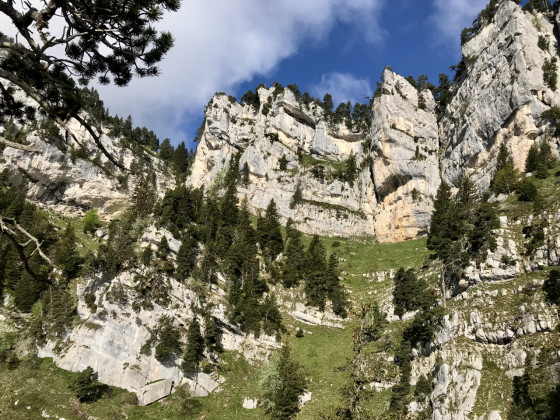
x: 322, y: 351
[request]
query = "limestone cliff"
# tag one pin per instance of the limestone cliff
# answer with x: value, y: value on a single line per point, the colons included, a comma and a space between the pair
x: 409, y: 147
x: 501, y: 95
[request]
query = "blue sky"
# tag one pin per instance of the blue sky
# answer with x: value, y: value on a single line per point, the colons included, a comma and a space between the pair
x: 339, y: 46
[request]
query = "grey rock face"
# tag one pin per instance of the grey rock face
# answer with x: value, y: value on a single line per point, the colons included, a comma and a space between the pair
x: 502, y: 97
x: 72, y: 186
x: 392, y: 194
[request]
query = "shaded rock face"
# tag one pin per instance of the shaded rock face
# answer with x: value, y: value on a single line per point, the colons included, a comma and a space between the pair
x: 502, y: 96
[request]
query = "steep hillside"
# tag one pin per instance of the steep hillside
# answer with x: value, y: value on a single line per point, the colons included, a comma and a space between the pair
x: 396, y: 259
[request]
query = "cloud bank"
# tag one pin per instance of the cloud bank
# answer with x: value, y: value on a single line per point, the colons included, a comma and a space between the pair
x: 220, y: 43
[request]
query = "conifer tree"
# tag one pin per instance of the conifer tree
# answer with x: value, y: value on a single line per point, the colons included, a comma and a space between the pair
x: 283, y: 163
x: 444, y: 224
x: 294, y: 263
x: 297, y: 197
x: 163, y: 248
x: 334, y: 290
x: 506, y: 177
x: 168, y: 342
x: 283, y: 388
x: 351, y: 169
x: 315, y: 274
x: 194, y: 352
x: 245, y: 173
x: 532, y: 158
x: 551, y: 287
x: 270, y: 314
x: 147, y: 255
x: 270, y: 235
x: 184, y: 258
x: 66, y: 255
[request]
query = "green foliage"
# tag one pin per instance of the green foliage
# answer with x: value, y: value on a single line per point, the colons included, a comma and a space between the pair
x: 91, y: 221
x: 553, y: 116
x: 551, y: 287
x: 251, y: 98
x: 372, y: 324
x: 535, y: 395
x: 445, y: 226
x: 543, y: 43
x: 86, y: 386
x: 527, y: 190
x: 65, y: 254
x: 423, y: 326
x: 245, y: 175
x: 550, y: 72
x: 283, y: 386
x: 194, y: 352
x: 168, y: 346
x: 409, y: 293
x: 269, y: 233
x: 507, y: 177
x: 283, y: 163
x: 163, y: 248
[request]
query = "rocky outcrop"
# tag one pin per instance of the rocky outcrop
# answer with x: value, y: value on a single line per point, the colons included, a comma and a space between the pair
x: 404, y: 158
x: 397, y: 157
x: 59, y: 178
x: 117, y: 322
x: 501, y: 96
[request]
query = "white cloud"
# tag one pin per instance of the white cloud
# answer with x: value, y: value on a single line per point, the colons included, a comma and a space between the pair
x: 451, y: 16
x: 220, y: 43
x: 343, y: 87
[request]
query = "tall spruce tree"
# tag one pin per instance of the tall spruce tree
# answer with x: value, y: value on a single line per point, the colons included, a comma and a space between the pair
x: 316, y: 273
x: 283, y: 388
x: 194, y: 351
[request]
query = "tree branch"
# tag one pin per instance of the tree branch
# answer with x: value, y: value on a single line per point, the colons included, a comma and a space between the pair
x: 12, y: 235
x: 13, y: 145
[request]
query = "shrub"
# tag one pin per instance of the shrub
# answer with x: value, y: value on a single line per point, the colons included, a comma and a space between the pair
x: 91, y: 221
x: 86, y: 386
x: 527, y: 190
x: 299, y: 333
x: 550, y: 75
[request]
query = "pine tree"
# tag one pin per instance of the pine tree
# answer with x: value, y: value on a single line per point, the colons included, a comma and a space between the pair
x: 282, y: 391
x: 194, y: 352
x: 271, y: 316
x: 86, y: 386
x: 270, y: 234
x: 229, y: 206
x: 166, y: 150
x: 245, y: 173
x: 316, y: 274
x: 504, y: 158
x: 351, y: 171
x: 184, y: 258
x: 168, y: 342
x: 532, y: 159
x: 147, y: 255
x: 283, y: 163
x: 444, y: 224
x: 294, y: 263
x: 163, y: 248
x: 467, y: 199
x: 334, y: 290
x: 551, y: 287
x: 65, y: 254
x: 297, y: 197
